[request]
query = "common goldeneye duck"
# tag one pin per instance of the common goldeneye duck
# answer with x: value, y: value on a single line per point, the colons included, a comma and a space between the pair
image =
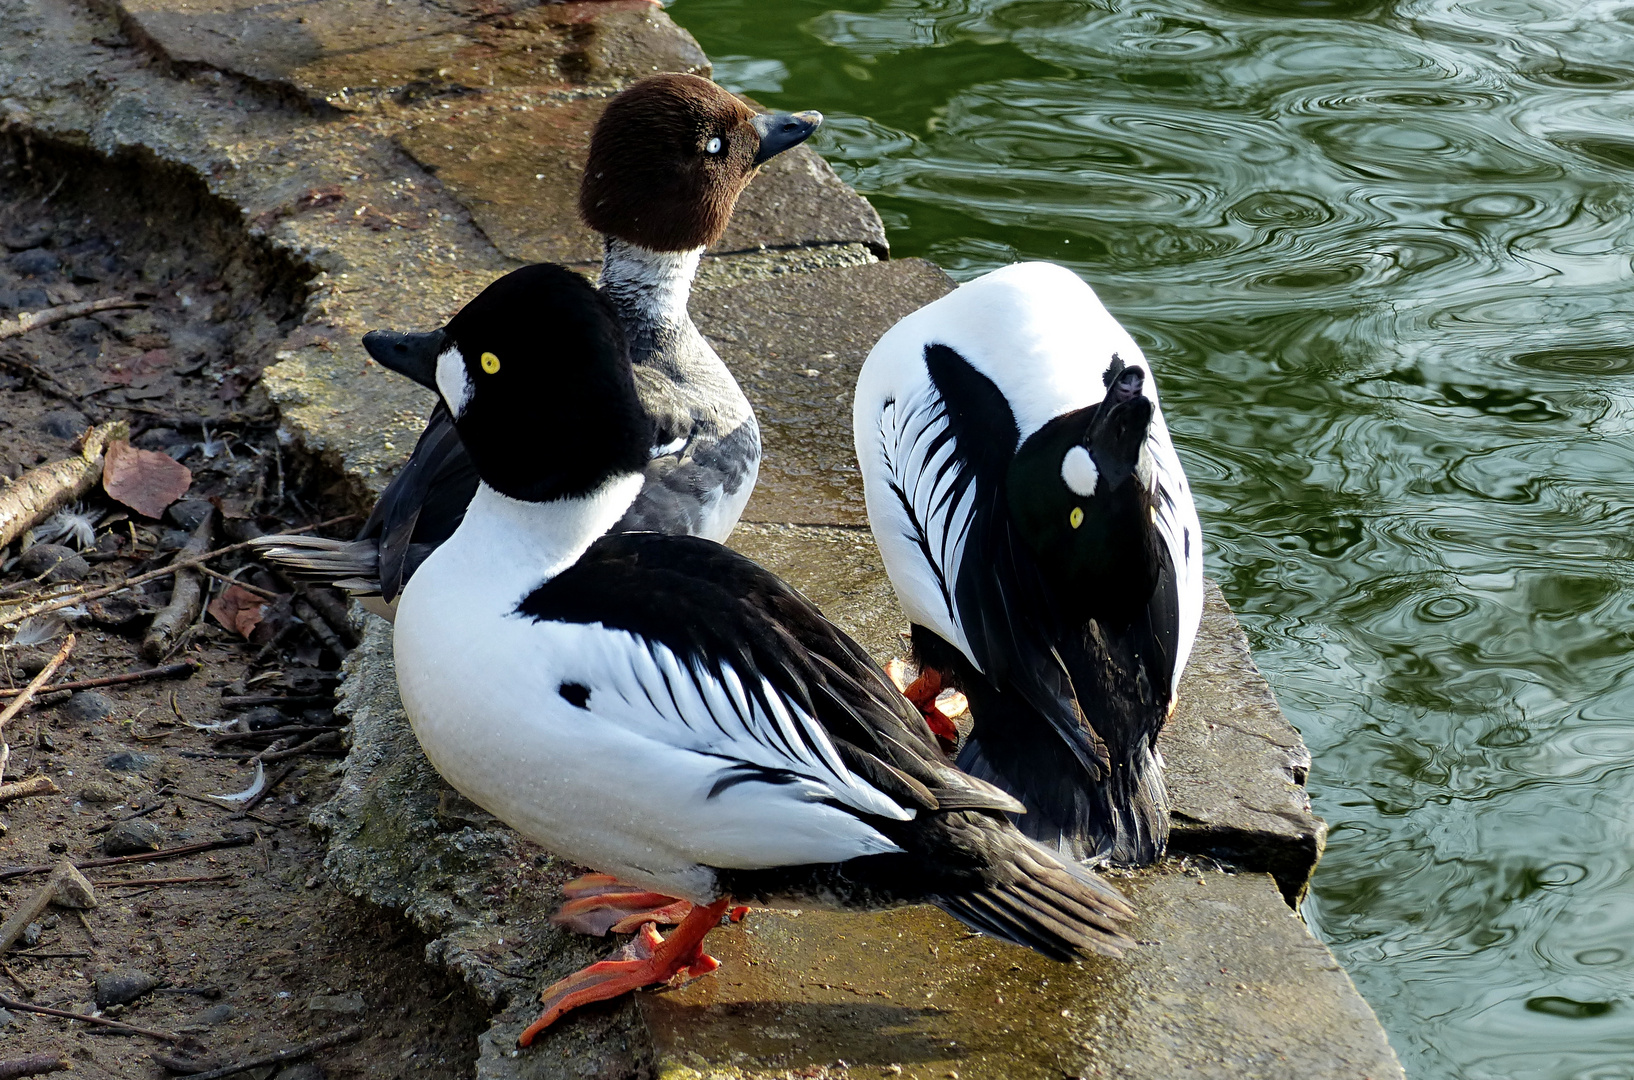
x: 661, y: 709
x: 668, y: 159
x: 1036, y: 524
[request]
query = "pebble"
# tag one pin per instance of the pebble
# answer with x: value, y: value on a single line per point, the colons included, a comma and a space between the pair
x: 133, y: 838
x: 123, y: 987
x: 65, y: 423
x: 188, y: 513
x: 6, y: 1019
x: 99, y: 792
x: 215, y: 1014
x: 35, y: 262
x: 128, y: 761
x: 26, y: 234
x: 262, y: 717
x: 346, y: 1004
x: 31, y: 935
x: 53, y: 562
x: 303, y: 1070
x: 87, y: 707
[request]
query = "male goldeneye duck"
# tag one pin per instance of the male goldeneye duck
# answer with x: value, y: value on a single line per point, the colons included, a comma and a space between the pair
x: 662, y: 709
x: 1037, y: 527
x: 668, y: 159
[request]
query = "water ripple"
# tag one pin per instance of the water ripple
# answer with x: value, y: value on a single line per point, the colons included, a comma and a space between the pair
x: 1380, y: 254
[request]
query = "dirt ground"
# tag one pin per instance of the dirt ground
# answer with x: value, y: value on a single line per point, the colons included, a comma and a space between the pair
x: 267, y: 954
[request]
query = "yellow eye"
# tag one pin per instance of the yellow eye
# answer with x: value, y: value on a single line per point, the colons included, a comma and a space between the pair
x: 490, y: 363
x: 1076, y: 518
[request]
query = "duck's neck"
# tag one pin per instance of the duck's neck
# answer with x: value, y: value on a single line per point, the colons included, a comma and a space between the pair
x: 510, y: 544
x: 648, y: 289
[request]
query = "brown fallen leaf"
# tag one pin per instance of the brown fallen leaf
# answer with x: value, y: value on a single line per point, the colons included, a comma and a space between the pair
x: 239, y: 610
x: 144, y: 480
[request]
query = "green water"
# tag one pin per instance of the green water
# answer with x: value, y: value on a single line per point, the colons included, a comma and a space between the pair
x: 1379, y: 255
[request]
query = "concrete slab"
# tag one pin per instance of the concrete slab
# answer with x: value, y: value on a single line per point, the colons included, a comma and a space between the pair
x: 796, y: 344
x: 1225, y: 984
x: 516, y: 167
x: 353, y: 54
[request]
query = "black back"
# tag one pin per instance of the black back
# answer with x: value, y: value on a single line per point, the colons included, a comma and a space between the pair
x: 1067, y: 708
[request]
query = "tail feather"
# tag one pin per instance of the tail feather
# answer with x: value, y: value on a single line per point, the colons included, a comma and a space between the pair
x: 352, y: 565
x: 1034, y: 899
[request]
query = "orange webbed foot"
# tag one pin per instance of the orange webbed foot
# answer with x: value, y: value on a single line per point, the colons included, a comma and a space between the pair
x: 647, y: 960
x: 928, y: 693
x: 598, y: 903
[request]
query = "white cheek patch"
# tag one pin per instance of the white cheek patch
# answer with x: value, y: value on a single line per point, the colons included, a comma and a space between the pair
x: 453, y: 382
x: 1079, y: 471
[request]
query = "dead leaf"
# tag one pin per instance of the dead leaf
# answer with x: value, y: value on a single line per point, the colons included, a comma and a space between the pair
x: 239, y: 610
x: 144, y: 480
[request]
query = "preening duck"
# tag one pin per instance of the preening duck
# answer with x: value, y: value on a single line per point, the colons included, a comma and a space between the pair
x: 1038, y: 529
x: 661, y: 709
x: 668, y: 159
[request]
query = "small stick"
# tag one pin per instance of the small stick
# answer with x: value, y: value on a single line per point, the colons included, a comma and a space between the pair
x: 66, y: 886
x: 333, y: 612
x: 283, y: 1057
x: 23, y: 1006
x: 249, y: 701
x: 27, y: 789
x: 273, y: 733
x: 320, y: 627
x: 38, y: 493
x: 140, y: 882
x: 56, y: 603
x: 144, y: 812
x: 168, y: 671
x: 96, y: 942
x: 185, y: 596
x: 33, y: 1065
x: 328, y: 741
x: 146, y: 856
x: 25, y: 322
x: 29, y: 691
x: 253, y: 590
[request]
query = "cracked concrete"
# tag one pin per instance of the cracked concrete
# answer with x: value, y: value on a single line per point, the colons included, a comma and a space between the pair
x: 397, y: 158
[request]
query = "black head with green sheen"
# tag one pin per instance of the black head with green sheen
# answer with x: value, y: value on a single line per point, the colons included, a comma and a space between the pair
x: 536, y: 373
x: 1078, y: 500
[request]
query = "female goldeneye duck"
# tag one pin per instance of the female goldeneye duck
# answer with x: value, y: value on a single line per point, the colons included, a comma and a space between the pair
x: 1037, y: 527
x: 668, y: 159
x: 661, y: 709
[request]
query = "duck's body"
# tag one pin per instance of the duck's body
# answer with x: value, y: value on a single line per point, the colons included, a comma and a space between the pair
x: 662, y: 709
x: 1057, y: 578
x: 656, y: 222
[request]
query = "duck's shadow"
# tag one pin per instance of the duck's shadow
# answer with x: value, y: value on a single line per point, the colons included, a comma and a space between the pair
x: 792, y: 1034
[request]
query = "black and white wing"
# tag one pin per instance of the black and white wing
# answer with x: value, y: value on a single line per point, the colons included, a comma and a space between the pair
x: 699, y: 647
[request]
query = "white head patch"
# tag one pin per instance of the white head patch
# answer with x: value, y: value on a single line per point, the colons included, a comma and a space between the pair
x: 1079, y: 471
x: 453, y: 381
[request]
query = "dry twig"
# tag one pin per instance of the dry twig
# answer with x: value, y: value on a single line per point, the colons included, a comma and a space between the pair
x: 26, y: 321
x: 168, y: 671
x: 185, y: 597
x: 39, y: 493
x: 146, y: 856
x: 33, y: 1065
x: 102, y: 1021
x: 284, y: 1057
x: 29, y: 691
x: 27, y: 789
x: 66, y: 886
